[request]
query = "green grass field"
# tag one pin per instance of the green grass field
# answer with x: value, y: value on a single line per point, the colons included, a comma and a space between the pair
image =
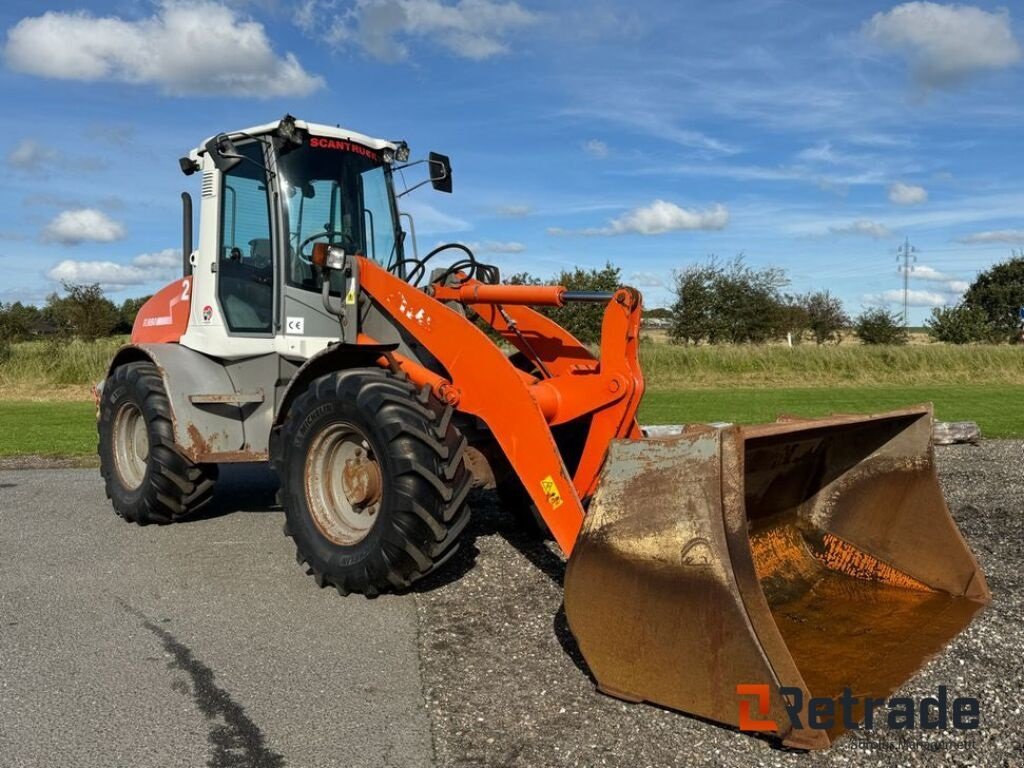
x: 60, y: 428
x: 998, y: 409
x: 69, y: 428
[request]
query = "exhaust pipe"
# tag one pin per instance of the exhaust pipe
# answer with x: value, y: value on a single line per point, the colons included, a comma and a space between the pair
x: 186, y: 234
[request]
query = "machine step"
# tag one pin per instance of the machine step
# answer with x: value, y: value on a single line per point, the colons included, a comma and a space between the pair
x: 228, y: 398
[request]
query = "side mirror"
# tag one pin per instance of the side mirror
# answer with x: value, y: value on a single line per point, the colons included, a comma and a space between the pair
x: 223, y: 152
x: 440, y: 172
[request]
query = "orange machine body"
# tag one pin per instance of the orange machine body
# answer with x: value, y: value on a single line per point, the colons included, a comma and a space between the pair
x: 164, y: 318
x: 519, y: 408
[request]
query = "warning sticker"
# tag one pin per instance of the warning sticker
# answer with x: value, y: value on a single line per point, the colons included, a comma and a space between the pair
x: 350, y: 296
x: 551, y: 491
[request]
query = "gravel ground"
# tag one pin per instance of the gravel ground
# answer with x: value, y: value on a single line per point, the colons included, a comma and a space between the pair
x: 506, y: 686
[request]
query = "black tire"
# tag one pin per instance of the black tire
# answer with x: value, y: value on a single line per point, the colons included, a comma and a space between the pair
x: 163, y: 486
x: 418, y: 455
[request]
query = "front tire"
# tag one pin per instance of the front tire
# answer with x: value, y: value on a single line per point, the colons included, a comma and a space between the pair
x: 373, y: 481
x: 146, y: 478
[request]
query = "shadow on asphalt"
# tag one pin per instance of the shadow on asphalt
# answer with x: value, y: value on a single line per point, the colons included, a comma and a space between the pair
x: 248, y: 488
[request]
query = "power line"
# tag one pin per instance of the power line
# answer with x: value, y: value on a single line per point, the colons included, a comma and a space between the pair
x: 908, y: 253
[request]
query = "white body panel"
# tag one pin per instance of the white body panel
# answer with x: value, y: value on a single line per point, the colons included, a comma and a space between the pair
x: 207, y: 332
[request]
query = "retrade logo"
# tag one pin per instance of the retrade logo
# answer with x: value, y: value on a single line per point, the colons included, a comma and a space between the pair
x: 898, y: 713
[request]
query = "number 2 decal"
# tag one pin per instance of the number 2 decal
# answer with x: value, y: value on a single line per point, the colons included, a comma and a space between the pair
x: 186, y: 284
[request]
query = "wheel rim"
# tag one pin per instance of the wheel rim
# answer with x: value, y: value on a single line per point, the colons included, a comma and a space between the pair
x: 131, y: 445
x: 344, y: 483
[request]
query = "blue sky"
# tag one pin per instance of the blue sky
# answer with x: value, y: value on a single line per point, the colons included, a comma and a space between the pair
x: 813, y: 136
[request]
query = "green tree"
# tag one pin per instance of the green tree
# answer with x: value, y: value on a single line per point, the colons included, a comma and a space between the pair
x: 581, y: 319
x: 999, y: 293
x: 880, y: 326
x: 18, y: 321
x: 84, y: 312
x: 729, y: 302
x: 825, y: 316
x: 126, y: 315
x: 962, y: 324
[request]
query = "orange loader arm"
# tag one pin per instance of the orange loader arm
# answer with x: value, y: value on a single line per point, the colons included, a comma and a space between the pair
x: 518, y: 408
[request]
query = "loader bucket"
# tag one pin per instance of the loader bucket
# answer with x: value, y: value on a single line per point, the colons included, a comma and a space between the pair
x: 817, y: 555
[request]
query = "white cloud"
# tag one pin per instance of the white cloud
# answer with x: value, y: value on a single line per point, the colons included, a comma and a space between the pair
x: 196, y: 47
x: 946, y: 43
x: 924, y: 272
x: 83, y: 225
x: 595, y: 148
x: 469, y: 29
x: 648, y: 280
x: 930, y: 274
x: 167, y: 259
x: 514, y: 211
x: 33, y: 156
x: 495, y: 246
x: 431, y: 221
x: 994, y: 236
x: 914, y: 298
x: 656, y: 219
x: 30, y: 155
x: 907, y: 194
x: 112, y: 275
x: 864, y: 228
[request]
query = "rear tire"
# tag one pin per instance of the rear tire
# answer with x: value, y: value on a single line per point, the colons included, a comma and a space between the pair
x: 146, y: 478
x: 402, y: 516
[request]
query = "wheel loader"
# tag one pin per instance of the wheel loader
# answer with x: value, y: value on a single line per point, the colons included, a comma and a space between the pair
x: 306, y: 331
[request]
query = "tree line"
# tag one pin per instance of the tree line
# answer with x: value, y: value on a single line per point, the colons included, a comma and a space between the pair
x: 82, y: 312
x: 714, y: 302
x: 729, y: 301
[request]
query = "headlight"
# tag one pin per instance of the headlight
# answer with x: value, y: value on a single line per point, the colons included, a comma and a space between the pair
x: 335, y: 258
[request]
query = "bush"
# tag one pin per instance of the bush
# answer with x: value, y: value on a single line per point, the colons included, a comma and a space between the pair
x: 960, y: 325
x: 728, y: 302
x: 999, y: 293
x: 18, y: 321
x: 825, y: 316
x: 880, y: 326
x: 126, y: 314
x: 581, y: 319
x: 84, y: 313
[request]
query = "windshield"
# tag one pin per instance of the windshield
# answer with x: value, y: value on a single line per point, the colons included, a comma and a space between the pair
x: 337, y: 192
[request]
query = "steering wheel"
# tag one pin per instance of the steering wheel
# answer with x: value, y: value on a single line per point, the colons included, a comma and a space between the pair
x: 329, y: 234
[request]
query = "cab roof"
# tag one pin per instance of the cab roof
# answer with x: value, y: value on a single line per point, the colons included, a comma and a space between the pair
x: 316, y: 129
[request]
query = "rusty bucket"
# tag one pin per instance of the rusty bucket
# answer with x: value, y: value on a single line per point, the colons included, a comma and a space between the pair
x: 815, y: 554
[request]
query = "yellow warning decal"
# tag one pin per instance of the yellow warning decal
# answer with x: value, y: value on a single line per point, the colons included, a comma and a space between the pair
x: 551, y: 491
x: 350, y: 297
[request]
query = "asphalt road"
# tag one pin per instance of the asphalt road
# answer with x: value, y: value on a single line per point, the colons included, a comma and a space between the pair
x: 205, y: 644
x: 196, y: 644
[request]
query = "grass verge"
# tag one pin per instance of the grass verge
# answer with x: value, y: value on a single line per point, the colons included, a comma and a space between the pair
x: 69, y: 428
x: 808, y: 365
x: 998, y: 409
x: 58, y: 428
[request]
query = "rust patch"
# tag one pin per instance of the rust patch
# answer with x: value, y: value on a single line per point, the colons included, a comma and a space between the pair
x: 198, y: 445
x: 233, y: 457
x: 842, y: 556
x: 781, y: 553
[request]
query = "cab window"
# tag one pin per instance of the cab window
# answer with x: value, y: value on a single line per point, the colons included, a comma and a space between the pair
x: 245, y: 274
x: 336, y: 192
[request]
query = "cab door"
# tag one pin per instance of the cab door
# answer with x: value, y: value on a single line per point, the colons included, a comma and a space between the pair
x: 245, y: 256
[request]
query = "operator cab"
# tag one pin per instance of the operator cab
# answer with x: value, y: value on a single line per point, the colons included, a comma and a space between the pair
x: 271, y: 193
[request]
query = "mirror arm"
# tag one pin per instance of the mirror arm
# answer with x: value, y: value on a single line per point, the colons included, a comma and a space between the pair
x: 413, y: 187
